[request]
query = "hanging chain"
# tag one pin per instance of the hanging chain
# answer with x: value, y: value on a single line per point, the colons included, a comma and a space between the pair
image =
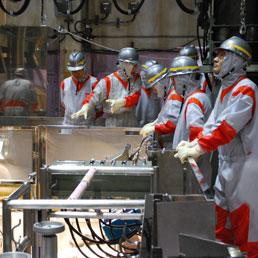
x: 242, y: 29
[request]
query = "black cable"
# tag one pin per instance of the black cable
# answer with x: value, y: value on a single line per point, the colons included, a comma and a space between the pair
x: 120, y: 226
x: 135, y: 11
x: 103, y: 236
x: 16, y: 13
x: 42, y: 12
x: 184, y: 8
x: 85, y: 242
x: 76, y: 10
x: 104, y: 17
x: 101, y: 241
x: 68, y: 28
x: 93, y: 233
x: 74, y: 240
x: 123, y: 227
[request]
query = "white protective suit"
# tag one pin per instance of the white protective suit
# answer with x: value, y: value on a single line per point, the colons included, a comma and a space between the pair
x: 148, y: 107
x: 17, y: 97
x: 232, y: 129
x: 116, y: 86
x: 195, y: 112
x: 73, y: 93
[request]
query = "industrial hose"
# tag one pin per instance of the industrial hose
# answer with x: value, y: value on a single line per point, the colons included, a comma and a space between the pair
x: 15, y: 13
x: 76, y: 10
x: 128, y: 12
x: 184, y: 8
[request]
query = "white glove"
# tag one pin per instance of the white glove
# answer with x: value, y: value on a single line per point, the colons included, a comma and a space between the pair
x: 147, y: 129
x: 82, y: 112
x: 186, y: 143
x: 186, y: 151
x: 116, y: 104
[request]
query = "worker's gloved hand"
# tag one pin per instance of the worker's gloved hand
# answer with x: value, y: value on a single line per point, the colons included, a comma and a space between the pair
x: 147, y: 129
x: 82, y: 112
x: 185, y: 151
x: 186, y: 143
x: 116, y: 104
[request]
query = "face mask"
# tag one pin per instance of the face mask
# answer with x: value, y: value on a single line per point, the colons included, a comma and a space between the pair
x: 159, y: 89
x: 127, y: 68
x: 181, y: 82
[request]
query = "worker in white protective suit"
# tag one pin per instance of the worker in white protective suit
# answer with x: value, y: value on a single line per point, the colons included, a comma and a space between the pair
x: 119, y: 92
x: 165, y: 124
x: 232, y: 129
x: 192, y: 52
x: 149, y: 104
x: 17, y: 96
x: 76, y: 88
x: 196, y: 108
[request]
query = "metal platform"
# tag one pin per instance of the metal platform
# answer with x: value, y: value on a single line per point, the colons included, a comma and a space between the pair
x: 113, y: 179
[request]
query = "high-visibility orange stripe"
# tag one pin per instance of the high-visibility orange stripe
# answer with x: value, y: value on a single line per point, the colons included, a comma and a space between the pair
x: 166, y: 128
x: 223, y: 134
x: 246, y: 90
x: 228, y: 89
x: 196, y: 102
x: 176, y: 97
x: 194, y: 132
x: 124, y: 83
x: 94, y: 84
x: 133, y: 99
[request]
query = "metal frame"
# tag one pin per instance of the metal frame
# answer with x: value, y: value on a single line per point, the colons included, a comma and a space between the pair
x: 23, y: 191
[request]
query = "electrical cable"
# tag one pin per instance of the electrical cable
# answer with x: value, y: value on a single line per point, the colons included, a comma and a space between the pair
x: 184, y: 8
x: 15, y: 13
x: 94, y: 236
x: 76, y: 244
x: 64, y: 31
x: 119, y: 226
x: 69, y: 12
x: 85, y: 242
x: 103, y: 236
x: 112, y: 241
x: 42, y: 12
x: 128, y: 12
x: 69, y: 30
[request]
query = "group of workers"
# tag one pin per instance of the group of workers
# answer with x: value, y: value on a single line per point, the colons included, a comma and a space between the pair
x: 175, y: 101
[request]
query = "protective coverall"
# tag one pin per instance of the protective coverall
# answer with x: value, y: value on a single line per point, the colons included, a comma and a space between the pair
x: 148, y: 107
x: 117, y: 86
x: 232, y: 129
x: 73, y: 93
x: 168, y: 116
x: 17, y: 97
x: 195, y: 112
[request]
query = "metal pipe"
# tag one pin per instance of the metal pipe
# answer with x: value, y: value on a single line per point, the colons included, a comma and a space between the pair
x: 113, y: 170
x: 20, y: 191
x: 74, y: 204
x: 96, y: 215
x: 144, y: 36
x: 7, y: 227
x: 11, y: 182
x: 82, y: 186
